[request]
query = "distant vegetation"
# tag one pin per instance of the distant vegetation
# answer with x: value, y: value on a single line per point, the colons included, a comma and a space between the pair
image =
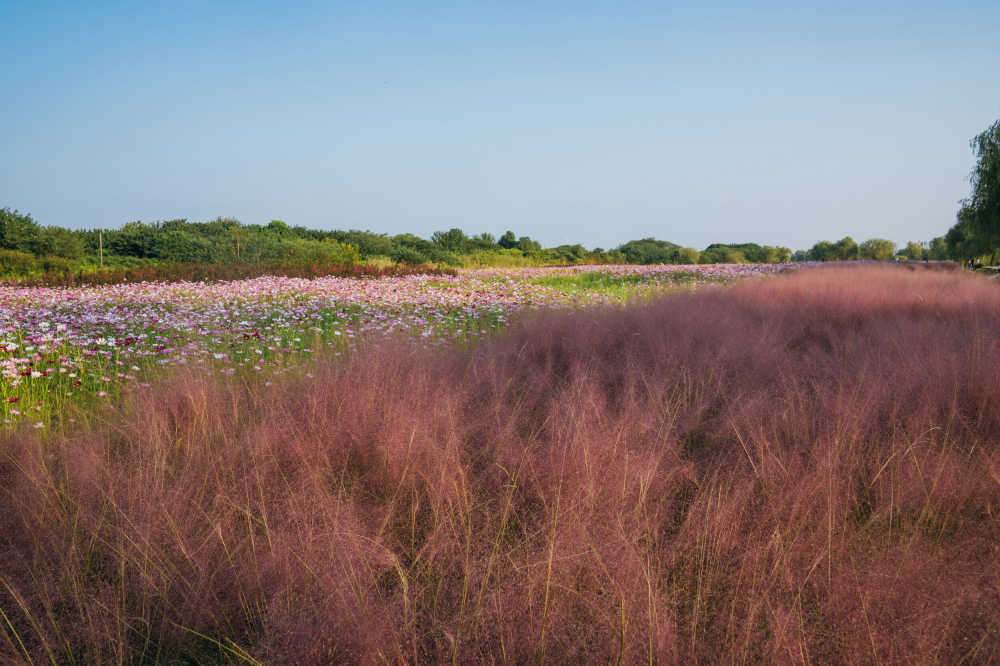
x: 976, y: 233
x: 178, y: 248
x: 28, y: 249
x: 974, y: 238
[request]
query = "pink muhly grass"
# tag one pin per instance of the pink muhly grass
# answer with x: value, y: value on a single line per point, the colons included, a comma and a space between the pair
x: 800, y: 469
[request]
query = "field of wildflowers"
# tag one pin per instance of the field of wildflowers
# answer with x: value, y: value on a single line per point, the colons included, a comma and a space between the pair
x: 796, y: 470
x: 65, y: 346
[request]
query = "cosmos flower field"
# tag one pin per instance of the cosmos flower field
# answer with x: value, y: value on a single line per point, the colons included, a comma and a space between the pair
x: 85, y: 345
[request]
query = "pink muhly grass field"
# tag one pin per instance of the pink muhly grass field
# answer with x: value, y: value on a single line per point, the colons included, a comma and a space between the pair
x: 804, y: 469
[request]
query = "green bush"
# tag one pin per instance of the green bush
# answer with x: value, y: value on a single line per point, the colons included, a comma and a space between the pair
x: 445, y: 257
x: 182, y: 246
x: 369, y: 244
x: 721, y: 255
x: 299, y: 251
x: 134, y: 239
x: 650, y: 251
x: 59, y: 242
x: 15, y: 262
x: 497, y: 258
x: 409, y: 255
x: 687, y: 255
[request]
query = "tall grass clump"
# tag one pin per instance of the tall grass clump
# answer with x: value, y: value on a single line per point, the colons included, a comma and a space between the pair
x: 803, y: 469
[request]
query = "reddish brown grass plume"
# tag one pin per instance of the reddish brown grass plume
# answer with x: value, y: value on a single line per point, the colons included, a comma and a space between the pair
x: 803, y: 469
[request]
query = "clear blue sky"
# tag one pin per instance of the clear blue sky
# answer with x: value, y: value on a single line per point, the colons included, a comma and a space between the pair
x: 569, y: 122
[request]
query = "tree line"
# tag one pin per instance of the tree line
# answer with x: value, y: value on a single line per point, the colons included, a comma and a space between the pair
x: 874, y: 249
x: 27, y: 247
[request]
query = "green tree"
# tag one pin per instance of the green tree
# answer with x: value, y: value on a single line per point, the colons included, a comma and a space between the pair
x: 526, y: 244
x: 179, y: 224
x: 716, y: 252
x: 687, y: 255
x: 914, y: 251
x: 938, y: 249
x: 453, y: 241
x: 134, y: 239
x: 508, y: 241
x: 59, y: 242
x: 878, y: 249
x: 846, y: 249
x: 753, y: 253
x: 17, y: 231
x: 976, y: 232
x: 441, y: 256
x: 963, y: 242
x: 181, y: 246
x: 722, y: 254
x: 369, y: 243
x: 822, y: 251
x: 484, y: 241
x: 411, y: 242
x: 341, y: 254
x: 279, y: 227
x: 237, y: 240
x: 407, y: 254
x: 650, y: 251
x: 571, y: 254
x: 984, y: 202
x: 782, y: 254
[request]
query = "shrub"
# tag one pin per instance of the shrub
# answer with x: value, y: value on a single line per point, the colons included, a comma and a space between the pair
x: 721, y: 255
x: 408, y: 255
x: 649, y: 251
x: 15, y: 262
x: 444, y: 257
x: 181, y: 247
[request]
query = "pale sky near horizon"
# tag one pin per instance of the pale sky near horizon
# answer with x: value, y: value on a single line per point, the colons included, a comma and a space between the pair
x: 598, y: 123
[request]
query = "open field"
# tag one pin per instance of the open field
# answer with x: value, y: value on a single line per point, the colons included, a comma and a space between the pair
x: 799, y: 469
x: 63, y: 347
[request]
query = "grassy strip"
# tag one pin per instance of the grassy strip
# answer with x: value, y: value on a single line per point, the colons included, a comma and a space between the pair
x: 625, y: 287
